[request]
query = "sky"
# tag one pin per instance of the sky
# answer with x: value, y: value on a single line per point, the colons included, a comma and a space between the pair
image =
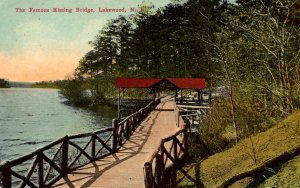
x: 40, y: 46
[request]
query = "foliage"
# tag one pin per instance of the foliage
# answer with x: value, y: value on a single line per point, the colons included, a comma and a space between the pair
x: 250, y: 47
x: 4, y: 83
x: 257, y: 51
x: 278, y: 141
x: 217, y: 132
x: 150, y: 43
x: 57, y: 84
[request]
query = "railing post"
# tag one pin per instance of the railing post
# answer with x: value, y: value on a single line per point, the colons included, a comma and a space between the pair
x: 177, y: 116
x: 140, y: 116
x: 64, y: 160
x: 6, y: 175
x: 127, y: 129
x: 134, y: 125
x: 115, y: 134
x: 94, y: 146
x: 148, y: 176
x: 159, y: 165
x: 131, y: 128
x: 175, y: 149
x: 193, y: 125
x: 163, y: 181
x: 186, y: 144
x: 40, y: 169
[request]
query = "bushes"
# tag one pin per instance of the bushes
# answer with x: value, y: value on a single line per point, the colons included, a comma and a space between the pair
x: 251, y: 117
x: 74, y: 92
x: 89, y: 91
x: 4, y: 83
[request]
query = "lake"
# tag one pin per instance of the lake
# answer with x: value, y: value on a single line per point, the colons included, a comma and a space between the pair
x: 31, y: 118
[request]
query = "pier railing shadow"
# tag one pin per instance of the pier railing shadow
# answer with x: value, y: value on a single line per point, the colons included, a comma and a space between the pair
x: 188, y: 176
x: 47, y: 165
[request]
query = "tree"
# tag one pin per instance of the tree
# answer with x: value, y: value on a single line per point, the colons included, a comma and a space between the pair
x: 4, y: 83
x: 273, y: 50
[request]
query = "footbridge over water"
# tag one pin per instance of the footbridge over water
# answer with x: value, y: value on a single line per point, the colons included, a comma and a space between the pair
x: 124, y: 168
x: 132, y: 153
x: 136, y: 151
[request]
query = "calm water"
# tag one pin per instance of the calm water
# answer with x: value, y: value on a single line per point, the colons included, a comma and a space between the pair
x: 31, y: 118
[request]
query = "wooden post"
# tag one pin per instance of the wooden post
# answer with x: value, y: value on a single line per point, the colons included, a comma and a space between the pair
x: 186, y: 144
x: 158, y: 178
x: 134, y: 124
x: 94, y: 146
x: 6, y: 175
x: 148, y: 177
x: 40, y: 169
x: 199, y: 97
x: 176, y: 114
x: 181, y: 98
x: 115, y: 134
x: 119, y: 100
x: 127, y: 129
x: 65, y: 153
x: 192, y: 121
x: 153, y: 95
x: 162, y: 166
x: 175, y: 149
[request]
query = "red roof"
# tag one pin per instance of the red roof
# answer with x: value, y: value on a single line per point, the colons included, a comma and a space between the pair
x: 181, y: 83
x: 188, y: 83
x: 136, y: 82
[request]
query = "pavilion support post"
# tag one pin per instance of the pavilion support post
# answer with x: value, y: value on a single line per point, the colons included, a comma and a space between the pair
x: 119, y: 100
x: 200, y: 96
x: 176, y: 95
x: 181, y: 98
x: 158, y: 94
x: 154, y: 94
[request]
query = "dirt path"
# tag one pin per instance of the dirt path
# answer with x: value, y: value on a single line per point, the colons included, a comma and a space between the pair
x: 125, y: 168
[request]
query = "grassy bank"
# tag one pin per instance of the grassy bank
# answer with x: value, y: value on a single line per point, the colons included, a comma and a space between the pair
x: 288, y: 175
x: 249, y: 154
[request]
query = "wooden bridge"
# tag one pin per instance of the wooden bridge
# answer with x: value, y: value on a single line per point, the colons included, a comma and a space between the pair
x: 133, y: 153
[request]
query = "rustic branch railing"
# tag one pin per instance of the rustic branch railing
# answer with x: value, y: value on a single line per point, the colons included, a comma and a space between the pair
x: 45, y: 166
x: 170, y: 152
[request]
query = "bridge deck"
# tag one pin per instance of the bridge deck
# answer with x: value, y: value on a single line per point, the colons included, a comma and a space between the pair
x: 125, y: 168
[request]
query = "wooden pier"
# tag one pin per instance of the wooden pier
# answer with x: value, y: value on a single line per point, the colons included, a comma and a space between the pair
x: 125, y: 167
x: 137, y: 151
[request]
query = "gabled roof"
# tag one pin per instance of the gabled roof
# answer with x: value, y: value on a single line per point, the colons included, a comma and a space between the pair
x: 180, y: 83
x: 188, y: 83
x: 136, y: 82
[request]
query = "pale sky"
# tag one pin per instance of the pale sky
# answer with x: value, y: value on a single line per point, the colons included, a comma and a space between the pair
x: 47, y: 46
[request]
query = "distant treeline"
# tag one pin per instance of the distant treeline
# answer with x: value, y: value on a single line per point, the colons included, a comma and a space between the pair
x: 4, y: 83
x: 57, y: 84
x: 20, y: 84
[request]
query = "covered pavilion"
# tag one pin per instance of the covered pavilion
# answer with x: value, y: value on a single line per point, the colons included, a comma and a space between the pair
x: 155, y: 85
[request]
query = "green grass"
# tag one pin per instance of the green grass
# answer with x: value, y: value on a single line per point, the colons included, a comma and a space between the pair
x: 215, y: 170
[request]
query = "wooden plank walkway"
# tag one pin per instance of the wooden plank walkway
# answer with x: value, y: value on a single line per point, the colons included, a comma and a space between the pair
x: 125, y: 168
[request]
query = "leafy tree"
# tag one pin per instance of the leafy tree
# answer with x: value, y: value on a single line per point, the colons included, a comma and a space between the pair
x: 272, y: 50
x: 4, y: 83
